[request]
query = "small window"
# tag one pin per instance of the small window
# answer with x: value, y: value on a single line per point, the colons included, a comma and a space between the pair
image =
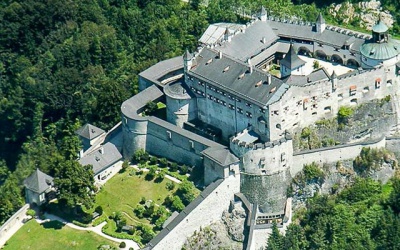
x: 378, y: 83
x: 340, y: 96
x: 353, y: 101
x: 169, y: 135
x: 278, y: 126
x: 327, y: 109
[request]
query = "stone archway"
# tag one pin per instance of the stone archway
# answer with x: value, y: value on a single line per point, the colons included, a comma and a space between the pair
x: 319, y: 54
x: 304, y: 51
x: 335, y: 58
x: 352, y: 63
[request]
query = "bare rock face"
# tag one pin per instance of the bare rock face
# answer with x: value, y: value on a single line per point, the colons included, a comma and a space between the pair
x: 234, y: 222
x: 366, y: 14
x: 228, y: 233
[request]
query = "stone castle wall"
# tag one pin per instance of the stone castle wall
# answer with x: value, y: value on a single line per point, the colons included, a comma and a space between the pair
x: 332, y: 154
x: 13, y: 224
x: 304, y: 105
x: 207, y: 208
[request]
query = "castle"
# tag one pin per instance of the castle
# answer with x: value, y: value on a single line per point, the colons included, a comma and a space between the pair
x: 227, y: 114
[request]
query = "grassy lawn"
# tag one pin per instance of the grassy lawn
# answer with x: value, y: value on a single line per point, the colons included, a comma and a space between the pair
x: 53, y: 236
x: 123, y: 192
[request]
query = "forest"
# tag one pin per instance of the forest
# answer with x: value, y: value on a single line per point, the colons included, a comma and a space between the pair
x: 67, y: 63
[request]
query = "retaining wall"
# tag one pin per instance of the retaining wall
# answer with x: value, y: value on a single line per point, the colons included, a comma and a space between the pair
x: 332, y: 154
x: 204, y: 210
x: 12, y: 225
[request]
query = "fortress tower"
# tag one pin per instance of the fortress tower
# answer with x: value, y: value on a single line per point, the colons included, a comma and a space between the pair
x: 380, y: 49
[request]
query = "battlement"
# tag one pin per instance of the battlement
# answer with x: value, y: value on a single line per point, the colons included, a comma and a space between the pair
x: 240, y: 140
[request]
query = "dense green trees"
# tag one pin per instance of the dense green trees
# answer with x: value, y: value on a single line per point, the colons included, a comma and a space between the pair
x: 363, y: 216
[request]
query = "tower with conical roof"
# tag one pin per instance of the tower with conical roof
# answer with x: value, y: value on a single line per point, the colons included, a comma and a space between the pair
x: 291, y: 64
x: 320, y: 23
x: 187, y: 61
x: 263, y: 14
x: 227, y: 35
x: 334, y: 81
x: 380, y: 49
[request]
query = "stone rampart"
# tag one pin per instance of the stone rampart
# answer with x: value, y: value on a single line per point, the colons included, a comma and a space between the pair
x: 12, y: 225
x: 204, y: 210
x: 332, y: 154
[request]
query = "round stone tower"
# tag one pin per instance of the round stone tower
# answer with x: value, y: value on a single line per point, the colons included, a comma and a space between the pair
x: 181, y: 106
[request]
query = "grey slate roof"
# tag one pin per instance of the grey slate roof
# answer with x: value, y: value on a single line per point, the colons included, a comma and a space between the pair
x: 178, y: 90
x: 155, y: 72
x: 220, y: 155
x: 230, y: 80
x: 89, y: 131
x: 292, y: 60
x: 215, y: 32
x: 244, y: 45
x: 102, y: 160
x: 263, y: 11
x: 136, y: 103
x: 317, y: 75
x: 38, y: 182
x: 380, y: 51
x: 380, y: 27
x: 187, y: 56
x: 320, y: 19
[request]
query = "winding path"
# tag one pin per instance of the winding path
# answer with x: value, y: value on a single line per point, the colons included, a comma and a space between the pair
x: 96, y: 230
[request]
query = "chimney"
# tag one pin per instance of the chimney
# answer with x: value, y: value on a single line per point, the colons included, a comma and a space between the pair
x: 269, y: 79
x: 264, y: 40
x: 219, y: 54
x: 101, y: 150
x: 250, y: 66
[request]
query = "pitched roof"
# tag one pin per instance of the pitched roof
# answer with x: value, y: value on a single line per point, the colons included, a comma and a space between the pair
x: 237, y: 80
x: 220, y: 155
x: 89, y: 131
x: 38, y: 181
x: 320, y: 19
x: 187, y: 56
x: 243, y: 45
x: 103, y: 158
x: 380, y: 27
x: 263, y: 11
x: 316, y: 75
x: 292, y: 60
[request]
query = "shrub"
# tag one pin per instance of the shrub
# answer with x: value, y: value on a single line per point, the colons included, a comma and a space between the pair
x: 313, y: 172
x: 99, y: 210
x: 31, y: 212
x: 174, y: 167
x: 139, y: 211
x: 163, y: 162
x: 305, y: 133
x: 184, y: 169
x: 125, y: 166
x: 344, y: 114
x: 177, y: 204
x: 170, y: 185
x: 152, y: 173
x: 153, y: 160
x: 122, y: 244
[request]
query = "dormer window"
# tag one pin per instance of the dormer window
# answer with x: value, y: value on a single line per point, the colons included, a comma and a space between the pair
x: 209, y: 61
x: 226, y: 69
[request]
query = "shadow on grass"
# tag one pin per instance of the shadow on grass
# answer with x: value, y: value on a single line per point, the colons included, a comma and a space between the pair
x: 53, y: 225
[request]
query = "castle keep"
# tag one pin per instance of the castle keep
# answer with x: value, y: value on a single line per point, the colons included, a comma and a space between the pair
x: 227, y: 114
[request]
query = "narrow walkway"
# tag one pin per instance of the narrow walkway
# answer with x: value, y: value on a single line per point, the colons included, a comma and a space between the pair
x: 96, y: 230
x: 169, y: 177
